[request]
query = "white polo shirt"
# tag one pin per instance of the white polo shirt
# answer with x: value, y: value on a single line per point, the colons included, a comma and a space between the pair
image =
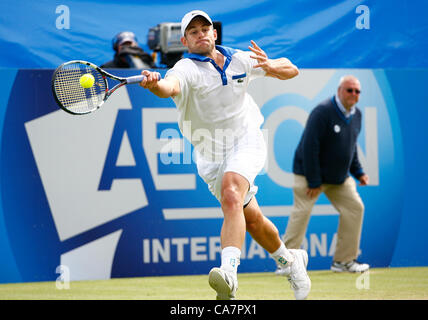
x: 214, y: 107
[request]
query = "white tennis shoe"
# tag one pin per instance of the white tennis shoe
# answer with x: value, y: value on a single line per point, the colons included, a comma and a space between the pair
x: 352, y: 266
x: 281, y: 271
x: 297, y: 275
x: 224, y: 283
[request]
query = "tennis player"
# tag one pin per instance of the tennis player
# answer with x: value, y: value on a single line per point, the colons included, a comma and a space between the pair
x: 221, y: 120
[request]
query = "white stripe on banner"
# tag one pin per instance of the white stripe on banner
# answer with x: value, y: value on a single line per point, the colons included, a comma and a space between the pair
x: 269, y: 211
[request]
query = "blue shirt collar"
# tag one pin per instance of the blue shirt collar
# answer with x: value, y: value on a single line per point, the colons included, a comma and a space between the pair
x: 225, y: 51
x: 343, y: 109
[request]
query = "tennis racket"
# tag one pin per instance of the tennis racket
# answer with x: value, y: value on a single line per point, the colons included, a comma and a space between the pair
x: 73, y: 98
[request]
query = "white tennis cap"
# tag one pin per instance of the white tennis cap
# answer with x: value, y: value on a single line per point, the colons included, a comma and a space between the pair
x: 188, y: 17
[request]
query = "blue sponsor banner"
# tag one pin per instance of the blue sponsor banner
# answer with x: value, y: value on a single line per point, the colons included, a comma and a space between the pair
x: 312, y: 33
x: 116, y: 193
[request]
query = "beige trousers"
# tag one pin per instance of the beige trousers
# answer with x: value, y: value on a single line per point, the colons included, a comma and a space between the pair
x: 348, y: 203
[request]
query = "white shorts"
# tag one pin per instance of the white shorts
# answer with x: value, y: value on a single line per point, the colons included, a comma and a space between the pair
x: 247, y: 158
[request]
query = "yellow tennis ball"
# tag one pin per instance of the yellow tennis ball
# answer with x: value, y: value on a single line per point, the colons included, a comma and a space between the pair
x: 87, y: 80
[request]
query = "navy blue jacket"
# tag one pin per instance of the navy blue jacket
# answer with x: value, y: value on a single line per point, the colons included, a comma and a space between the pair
x: 327, y: 150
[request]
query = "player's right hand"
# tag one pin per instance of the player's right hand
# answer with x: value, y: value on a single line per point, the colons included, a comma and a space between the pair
x: 151, y: 80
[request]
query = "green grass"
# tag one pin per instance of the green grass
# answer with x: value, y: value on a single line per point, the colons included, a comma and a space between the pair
x: 385, y: 283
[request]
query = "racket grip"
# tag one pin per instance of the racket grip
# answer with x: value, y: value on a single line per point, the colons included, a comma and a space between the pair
x: 137, y: 79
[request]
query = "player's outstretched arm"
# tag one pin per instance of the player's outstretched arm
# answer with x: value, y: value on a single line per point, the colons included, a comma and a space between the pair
x: 281, y: 68
x: 163, y: 88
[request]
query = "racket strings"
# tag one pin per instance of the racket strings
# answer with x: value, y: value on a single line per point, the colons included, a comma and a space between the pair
x: 72, y: 95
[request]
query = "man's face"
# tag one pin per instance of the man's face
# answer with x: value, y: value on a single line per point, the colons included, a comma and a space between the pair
x: 200, y: 36
x: 349, y: 92
x: 125, y: 44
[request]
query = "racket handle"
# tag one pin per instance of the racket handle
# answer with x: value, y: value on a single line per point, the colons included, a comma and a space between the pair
x: 137, y: 79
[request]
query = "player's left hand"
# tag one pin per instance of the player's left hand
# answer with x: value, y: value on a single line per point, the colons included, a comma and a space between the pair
x: 260, y: 56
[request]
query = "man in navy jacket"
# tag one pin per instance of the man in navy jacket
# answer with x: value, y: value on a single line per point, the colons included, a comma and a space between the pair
x: 325, y: 156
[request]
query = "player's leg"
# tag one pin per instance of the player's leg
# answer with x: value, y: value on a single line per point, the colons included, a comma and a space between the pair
x: 233, y: 190
x: 261, y: 228
x: 266, y: 234
x: 224, y: 279
x: 347, y: 201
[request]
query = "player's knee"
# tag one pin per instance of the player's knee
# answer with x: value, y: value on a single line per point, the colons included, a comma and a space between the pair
x: 231, y: 199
